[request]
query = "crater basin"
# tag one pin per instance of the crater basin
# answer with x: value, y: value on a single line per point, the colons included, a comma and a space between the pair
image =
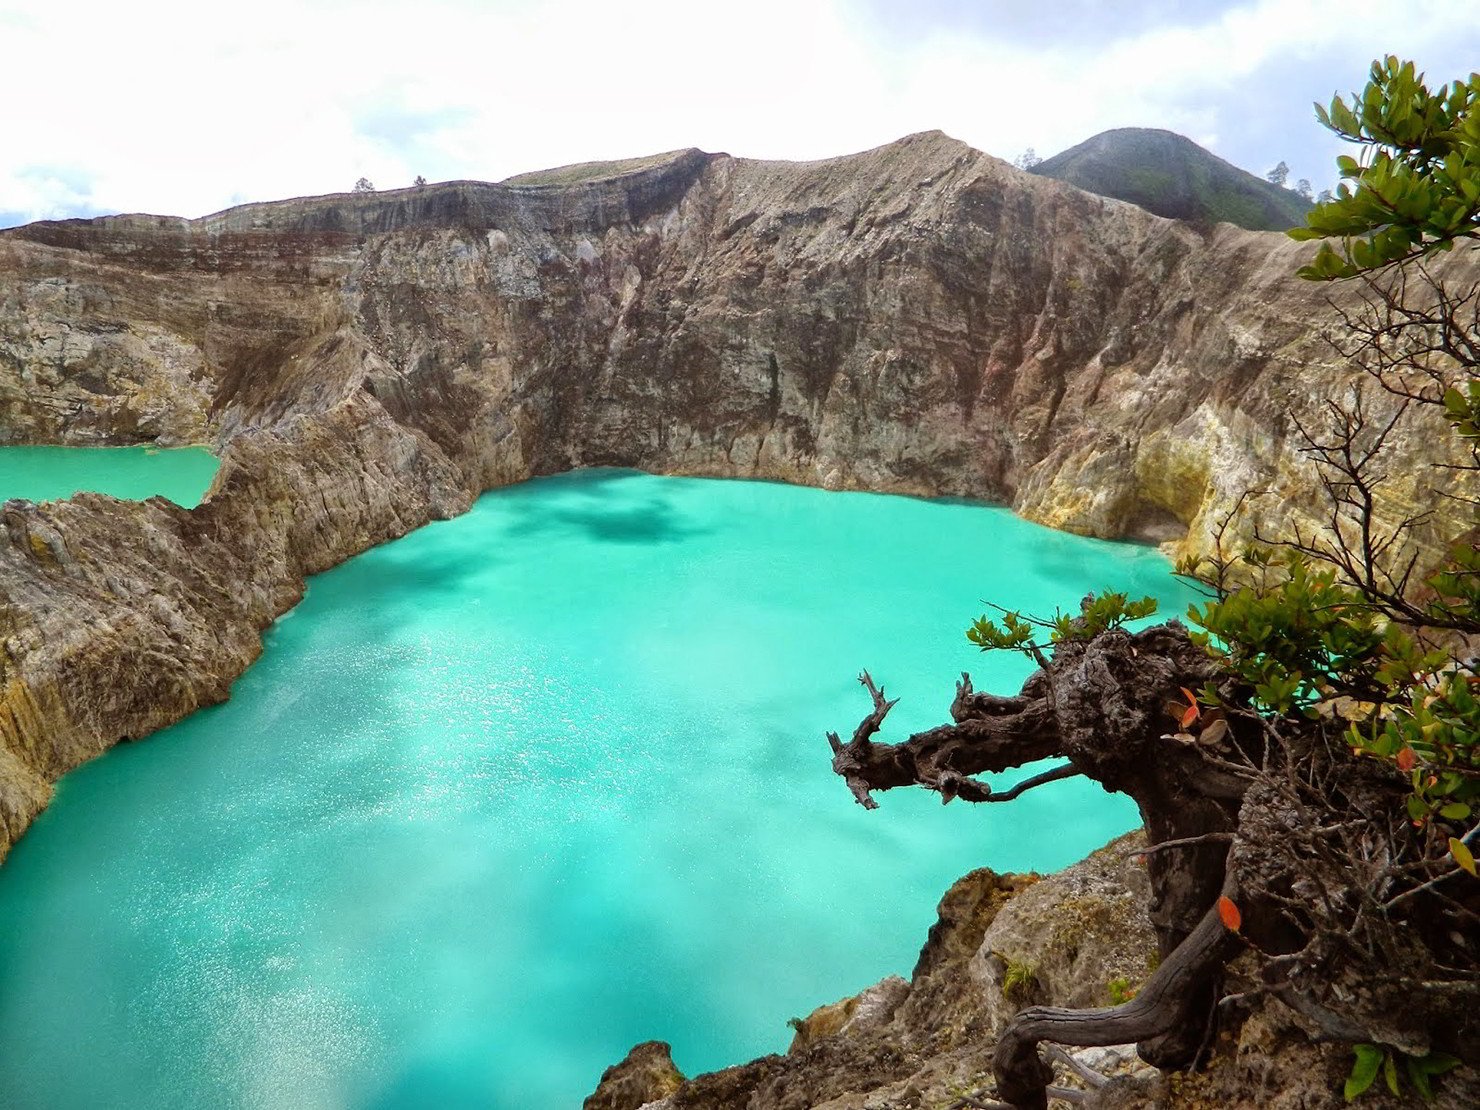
x: 508, y: 795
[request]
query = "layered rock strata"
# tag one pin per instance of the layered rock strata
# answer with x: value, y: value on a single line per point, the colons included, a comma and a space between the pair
x: 920, y: 318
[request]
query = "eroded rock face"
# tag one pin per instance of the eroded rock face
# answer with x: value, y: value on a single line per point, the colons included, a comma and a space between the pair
x: 929, y: 1041
x: 1080, y: 938
x: 920, y: 318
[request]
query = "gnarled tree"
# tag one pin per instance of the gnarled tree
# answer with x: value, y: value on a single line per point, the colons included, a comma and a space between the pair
x: 1306, y: 765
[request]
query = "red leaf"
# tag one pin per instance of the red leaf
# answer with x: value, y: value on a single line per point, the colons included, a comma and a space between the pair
x: 1229, y: 915
x: 1189, y: 716
x: 1407, y: 759
x: 1191, y: 697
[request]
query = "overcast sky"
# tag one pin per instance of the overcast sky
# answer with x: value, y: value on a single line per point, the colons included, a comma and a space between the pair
x: 188, y: 107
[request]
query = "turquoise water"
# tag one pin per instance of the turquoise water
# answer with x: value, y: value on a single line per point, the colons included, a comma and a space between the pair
x: 133, y: 473
x: 513, y: 793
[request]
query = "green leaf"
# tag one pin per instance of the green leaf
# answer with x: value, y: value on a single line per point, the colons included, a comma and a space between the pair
x: 1436, y: 1063
x: 1390, y: 1072
x: 1420, y: 1078
x: 1455, y: 811
x: 1364, y: 1070
x: 1461, y: 853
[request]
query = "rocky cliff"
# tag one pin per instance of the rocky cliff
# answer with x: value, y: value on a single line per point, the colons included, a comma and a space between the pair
x: 919, y: 318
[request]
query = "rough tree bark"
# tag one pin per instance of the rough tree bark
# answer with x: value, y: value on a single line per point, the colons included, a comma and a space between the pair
x: 1103, y: 706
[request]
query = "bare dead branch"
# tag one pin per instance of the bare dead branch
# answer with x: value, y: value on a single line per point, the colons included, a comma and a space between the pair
x: 1188, y: 841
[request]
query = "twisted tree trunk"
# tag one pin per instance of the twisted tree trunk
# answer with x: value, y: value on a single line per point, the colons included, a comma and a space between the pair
x: 1103, y: 706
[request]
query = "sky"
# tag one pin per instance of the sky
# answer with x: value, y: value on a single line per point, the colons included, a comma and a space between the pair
x: 186, y: 108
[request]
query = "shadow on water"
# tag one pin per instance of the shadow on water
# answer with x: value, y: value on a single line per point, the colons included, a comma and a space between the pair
x: 586, y: 503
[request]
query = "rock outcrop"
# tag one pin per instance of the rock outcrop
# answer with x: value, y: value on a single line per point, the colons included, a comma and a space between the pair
x: 920, y: 318
x: 1084, y: 935
x: 646, y: 1076
x: 929, y: 1041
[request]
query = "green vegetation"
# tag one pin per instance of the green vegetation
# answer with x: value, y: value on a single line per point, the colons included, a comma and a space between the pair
x: 1334, y: 629
x: 1420, y: 1070
x: 1174, y: 177
x: 1330, y: 630
x: 1019, y: 983
x: 1417, y: 188
x: 1097, y: 613
x: 1334, y: 637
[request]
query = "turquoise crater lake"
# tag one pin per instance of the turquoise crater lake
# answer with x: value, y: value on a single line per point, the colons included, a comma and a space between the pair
x: 183, y: 474
x: 519, y: 790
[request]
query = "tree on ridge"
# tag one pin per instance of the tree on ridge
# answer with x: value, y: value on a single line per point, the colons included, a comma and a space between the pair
x: 1027, y: 159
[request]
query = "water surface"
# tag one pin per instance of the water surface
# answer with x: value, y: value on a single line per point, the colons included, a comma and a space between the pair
x: 182, y: 474
x: 513, y: 793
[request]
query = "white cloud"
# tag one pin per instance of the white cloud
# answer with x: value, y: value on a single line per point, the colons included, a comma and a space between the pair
x: 162, y: 105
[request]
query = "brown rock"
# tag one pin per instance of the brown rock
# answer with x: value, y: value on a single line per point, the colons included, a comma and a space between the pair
x: 868, y: 1009
x: 647, y: 1075
x: 1070, y: 936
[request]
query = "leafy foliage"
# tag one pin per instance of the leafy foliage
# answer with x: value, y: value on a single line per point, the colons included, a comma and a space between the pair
x: 1323, y: 642
x: 1307, y: 645
x: 1462, y: 407
x: 1418, y: 188
x: 1097, y: 613
x: 1372, y: 1060
x: 1306, y: 639
x: 1347, y: 705
x: 1292, y: 634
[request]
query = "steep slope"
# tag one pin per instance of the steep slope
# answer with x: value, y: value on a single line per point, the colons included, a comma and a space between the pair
x: 1172, y: 176
x: 919, y: 318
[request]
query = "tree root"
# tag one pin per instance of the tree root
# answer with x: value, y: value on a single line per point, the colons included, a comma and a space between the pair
x: 1162, y: 1006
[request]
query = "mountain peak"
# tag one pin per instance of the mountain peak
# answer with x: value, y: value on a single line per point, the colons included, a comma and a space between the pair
x: 1170, y: 175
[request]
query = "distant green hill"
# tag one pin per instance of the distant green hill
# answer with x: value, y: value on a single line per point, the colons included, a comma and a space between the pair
x: 1172, y: 176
